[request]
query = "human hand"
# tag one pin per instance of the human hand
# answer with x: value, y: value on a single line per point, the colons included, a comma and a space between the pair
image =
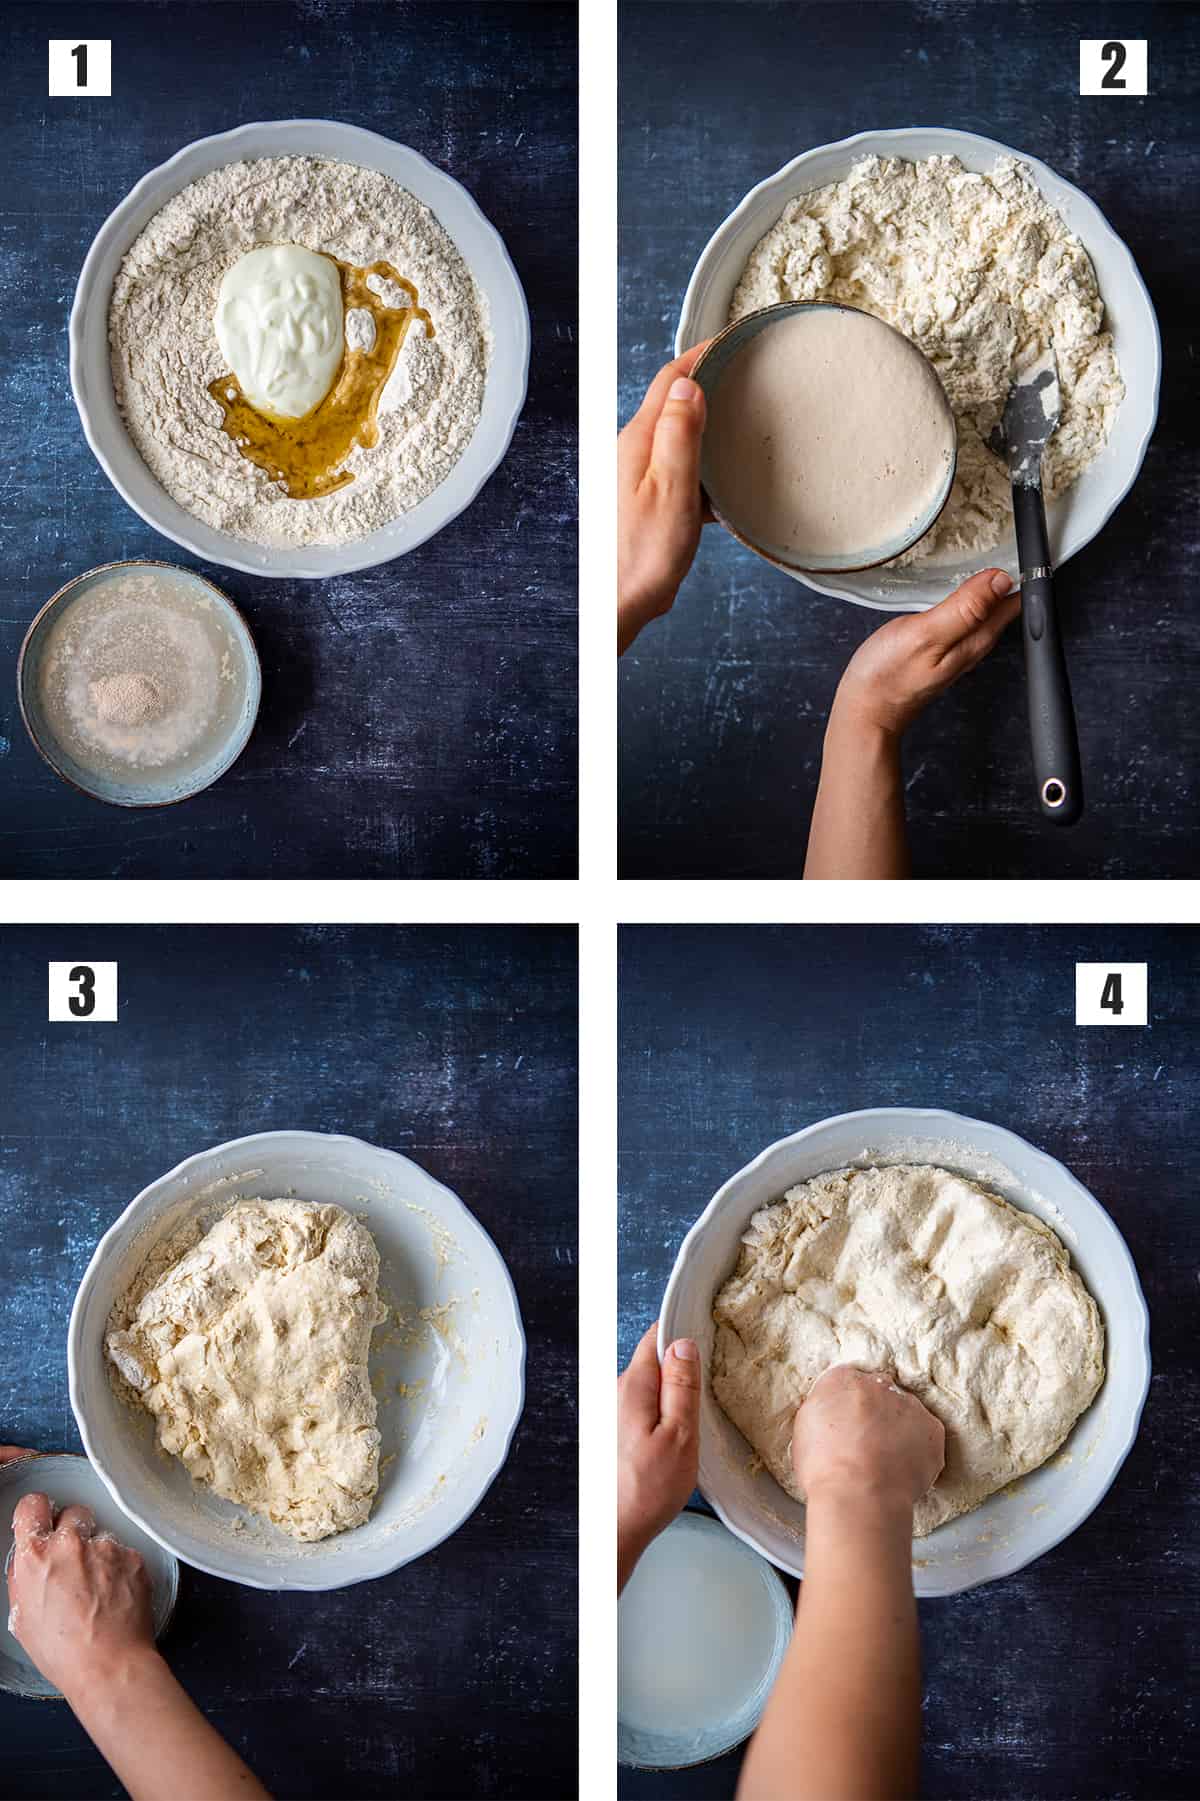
x: 79, y: 1601
x: 14, y: 1453
x: 858, y: 1433
x: 658, y: 1443
x: 908, y: 662
x: 660, y: 508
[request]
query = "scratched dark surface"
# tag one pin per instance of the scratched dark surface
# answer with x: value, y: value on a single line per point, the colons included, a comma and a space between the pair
x: 723, y: 704
x: 456, y: 1676
x: 418, y: 719
x: 1073, y: 1679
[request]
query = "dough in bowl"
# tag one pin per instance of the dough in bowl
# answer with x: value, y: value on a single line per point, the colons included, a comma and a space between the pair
x: 915, y: 1269
x: 249, y: 1346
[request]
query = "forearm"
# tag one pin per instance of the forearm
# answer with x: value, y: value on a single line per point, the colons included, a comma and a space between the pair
x: 857, y: 831
x: 843, y: 1721
x: 154, y: 1737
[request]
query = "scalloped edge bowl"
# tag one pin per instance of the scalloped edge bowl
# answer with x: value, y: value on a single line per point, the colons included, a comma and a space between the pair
x: 1019, y: 1524
x: 1082, y: 512
x: 481, y: 248
x: 440, y: 1454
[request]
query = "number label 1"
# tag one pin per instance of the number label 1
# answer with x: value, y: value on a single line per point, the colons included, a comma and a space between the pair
x: 1112, y: 994
x: 83, y: 991
x: 80, y: 68
x: 1114, y: 65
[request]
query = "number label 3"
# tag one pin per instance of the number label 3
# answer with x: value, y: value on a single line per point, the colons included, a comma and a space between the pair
x: 1112, y: 994
x: 83, y: 991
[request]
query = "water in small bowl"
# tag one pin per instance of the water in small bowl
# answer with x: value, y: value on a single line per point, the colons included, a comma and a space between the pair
x: 139, y: 683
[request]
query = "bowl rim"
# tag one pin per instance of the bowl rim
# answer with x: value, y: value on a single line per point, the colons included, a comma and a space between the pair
x: 489, y: 1469
x: 894, y: 139
x: 240, y: 739
x: 782, y: 1604
x: 355, y: 555
x: 943, y: 1120
x: 790, y: 308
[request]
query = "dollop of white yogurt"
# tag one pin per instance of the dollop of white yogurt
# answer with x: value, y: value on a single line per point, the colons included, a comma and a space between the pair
x: 279, y: 325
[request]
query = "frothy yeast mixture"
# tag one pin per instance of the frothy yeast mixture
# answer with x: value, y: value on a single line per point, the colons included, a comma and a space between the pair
x: 828, y: 438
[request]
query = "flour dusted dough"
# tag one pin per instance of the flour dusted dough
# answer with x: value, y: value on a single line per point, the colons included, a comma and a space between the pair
x: 982, y: 274
x: 251, y: 1352
x: 911, y: 1268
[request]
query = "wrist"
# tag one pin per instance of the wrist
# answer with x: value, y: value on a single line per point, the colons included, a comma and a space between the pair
x: 863, y: 725
x: 98, y: 1680
x: 854, y: 1498
x: 637, y: 606
x: 631, y: 1543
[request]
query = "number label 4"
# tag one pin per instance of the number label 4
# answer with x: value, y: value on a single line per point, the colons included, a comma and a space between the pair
x: 1112, y: 994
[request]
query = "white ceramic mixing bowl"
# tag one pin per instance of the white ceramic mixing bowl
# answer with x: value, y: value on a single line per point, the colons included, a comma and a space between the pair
x: 1073, y: 520
x: 1013, y: 1527
x: 483, y: 252
x: 462, y: 1363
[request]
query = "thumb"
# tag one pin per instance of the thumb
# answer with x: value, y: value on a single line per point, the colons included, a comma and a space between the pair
x: 679, y: 1395
x: 675, y: 450
x: 973, y: 617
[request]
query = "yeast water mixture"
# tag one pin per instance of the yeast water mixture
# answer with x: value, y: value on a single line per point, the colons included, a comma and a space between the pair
x: 828, y: 439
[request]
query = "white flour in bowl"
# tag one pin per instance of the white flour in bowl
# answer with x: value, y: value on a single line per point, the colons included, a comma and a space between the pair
x: 164, y: 347
x: 982, y: 274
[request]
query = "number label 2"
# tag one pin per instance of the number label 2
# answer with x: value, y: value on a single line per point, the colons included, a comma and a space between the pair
x: 1110, y: 66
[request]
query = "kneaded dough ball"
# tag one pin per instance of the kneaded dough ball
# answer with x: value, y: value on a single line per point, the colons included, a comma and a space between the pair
x: 911, y: 1268
x: 251, y: 1353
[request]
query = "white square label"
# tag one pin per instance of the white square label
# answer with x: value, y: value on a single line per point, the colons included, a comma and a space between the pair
x: 1112, y: 994
x: 1114, y: 65
x: 83, y: 991
x: 80, y: 66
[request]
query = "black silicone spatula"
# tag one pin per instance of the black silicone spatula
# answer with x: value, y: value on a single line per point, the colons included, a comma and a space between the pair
x: 1030, y: 419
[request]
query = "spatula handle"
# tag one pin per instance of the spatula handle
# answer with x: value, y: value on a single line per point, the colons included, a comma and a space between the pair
x: 1052, y: 731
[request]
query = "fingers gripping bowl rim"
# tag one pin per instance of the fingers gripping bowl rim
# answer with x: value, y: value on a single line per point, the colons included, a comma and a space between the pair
x: 1011, y: 1528
x: 477, y: 241
x: 1076, y: 518
x: 440, y: 1451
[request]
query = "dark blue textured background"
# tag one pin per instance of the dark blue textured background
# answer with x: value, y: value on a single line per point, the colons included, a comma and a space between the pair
x: 1074, y: 1678
x: 456, y: 1676
x: 418, y: 719
x: 723, y: 704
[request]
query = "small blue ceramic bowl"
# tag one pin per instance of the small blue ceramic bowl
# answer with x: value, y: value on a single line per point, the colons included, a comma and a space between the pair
x: 138, y: 789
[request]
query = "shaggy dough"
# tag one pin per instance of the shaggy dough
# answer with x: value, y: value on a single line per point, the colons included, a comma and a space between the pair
x: 983, y: 275
x: 251, y: 1351
x: 911, y: 1268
